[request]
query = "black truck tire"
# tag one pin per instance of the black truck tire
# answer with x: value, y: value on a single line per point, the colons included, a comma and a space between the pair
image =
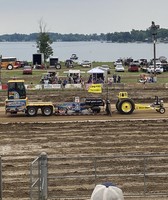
x: 31, y: 111
x: 47, y: 111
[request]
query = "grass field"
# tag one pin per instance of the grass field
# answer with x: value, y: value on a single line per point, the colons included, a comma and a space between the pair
x: 126, y: 77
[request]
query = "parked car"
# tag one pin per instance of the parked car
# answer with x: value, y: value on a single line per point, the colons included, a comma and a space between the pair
x: 105, y: 67
x: 126, y: 62
x: 165, y: 67
x: 119, y: 61
x: 27, y: 70
x: 119, y: 68
x: 157, y: 60
x: 158, y: 70
x: 133, y: 67
x: 85, y: 63
x: 143, y: 62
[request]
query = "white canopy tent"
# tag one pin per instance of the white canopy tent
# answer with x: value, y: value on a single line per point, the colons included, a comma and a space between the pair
x: 74, y: 71
x: 96, y: 73
x: 95, y: 70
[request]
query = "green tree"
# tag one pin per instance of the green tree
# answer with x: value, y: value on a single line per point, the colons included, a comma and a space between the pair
x: 44, y: 42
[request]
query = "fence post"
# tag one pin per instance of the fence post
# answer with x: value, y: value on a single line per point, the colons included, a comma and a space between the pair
x: 95, y: 169
x: 145, y: 169
x: 43, y: 176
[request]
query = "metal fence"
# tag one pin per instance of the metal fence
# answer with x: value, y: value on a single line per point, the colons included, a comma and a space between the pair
x: 38, y: 178
x: 75, y: 177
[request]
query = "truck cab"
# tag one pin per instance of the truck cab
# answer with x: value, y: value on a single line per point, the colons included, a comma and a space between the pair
x: 16, y: 97
x: 17, y: 101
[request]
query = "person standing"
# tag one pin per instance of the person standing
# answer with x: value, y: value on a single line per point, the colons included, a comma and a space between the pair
x: 114, y: 78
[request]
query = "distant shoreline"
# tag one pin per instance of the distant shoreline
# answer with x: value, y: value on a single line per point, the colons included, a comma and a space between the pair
x: 91, y: 51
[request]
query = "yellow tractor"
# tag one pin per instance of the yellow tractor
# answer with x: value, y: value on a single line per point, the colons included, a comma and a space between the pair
x: 125, y: 105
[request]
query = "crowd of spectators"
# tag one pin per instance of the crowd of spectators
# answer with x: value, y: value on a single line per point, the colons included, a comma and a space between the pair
x: 93, y: 79
x: 75, y: 78
x: 70, y: 79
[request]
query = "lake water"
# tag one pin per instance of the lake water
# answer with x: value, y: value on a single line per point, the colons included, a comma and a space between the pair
x: 93, y: 51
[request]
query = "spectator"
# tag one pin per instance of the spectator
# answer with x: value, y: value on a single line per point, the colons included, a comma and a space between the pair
x: 46, y: 81
x: 107, y: 191
x: 64, y: 82
x: 59, y: 81
x: 70, y: 79
x: 118, y: 79
x: 115, y: 78
x: 90, y: 79
x: 100, y: 80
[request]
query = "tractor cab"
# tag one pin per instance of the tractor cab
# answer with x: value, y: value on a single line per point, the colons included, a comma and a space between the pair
x: 16, y: 89
x: 16, y: 100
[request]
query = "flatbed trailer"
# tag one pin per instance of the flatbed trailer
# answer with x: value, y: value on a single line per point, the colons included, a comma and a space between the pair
x: 29, y: 108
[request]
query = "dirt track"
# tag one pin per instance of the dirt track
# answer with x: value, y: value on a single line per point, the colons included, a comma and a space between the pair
x: 23, y: 138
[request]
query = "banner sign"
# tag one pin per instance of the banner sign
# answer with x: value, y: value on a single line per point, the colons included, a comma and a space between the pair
x: 95, y: 88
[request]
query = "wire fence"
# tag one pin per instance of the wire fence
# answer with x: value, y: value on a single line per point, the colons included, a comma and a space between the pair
x: 76, y: 177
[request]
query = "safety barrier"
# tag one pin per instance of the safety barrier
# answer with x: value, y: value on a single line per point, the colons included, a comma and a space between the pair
x: 75, y: 177
x: 85, y: 86
x: 38, y: 180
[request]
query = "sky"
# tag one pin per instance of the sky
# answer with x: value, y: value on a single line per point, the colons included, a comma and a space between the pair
x: 81, y: 16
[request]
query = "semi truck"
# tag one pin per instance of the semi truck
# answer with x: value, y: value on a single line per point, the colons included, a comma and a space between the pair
x: 17, y: 101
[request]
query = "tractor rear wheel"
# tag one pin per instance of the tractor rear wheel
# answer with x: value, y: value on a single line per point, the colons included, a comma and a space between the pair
x: 47, y: 110
x: 126, y: 106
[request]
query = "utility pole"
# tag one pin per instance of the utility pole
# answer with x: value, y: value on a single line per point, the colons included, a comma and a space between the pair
x: 154, y: 29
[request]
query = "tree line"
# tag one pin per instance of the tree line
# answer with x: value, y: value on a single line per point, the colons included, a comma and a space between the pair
x: 132, y: 36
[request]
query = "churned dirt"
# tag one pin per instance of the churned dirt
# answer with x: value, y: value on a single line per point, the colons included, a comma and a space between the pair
x: 23, y: 138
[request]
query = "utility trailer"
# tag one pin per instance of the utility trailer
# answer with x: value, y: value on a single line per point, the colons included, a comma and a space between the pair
x: 38, y: 59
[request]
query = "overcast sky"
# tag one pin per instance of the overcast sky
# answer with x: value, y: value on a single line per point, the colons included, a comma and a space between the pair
x: 81, y: 16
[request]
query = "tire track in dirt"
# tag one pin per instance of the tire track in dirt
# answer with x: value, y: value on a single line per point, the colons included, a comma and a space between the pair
x: 21, y: 142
